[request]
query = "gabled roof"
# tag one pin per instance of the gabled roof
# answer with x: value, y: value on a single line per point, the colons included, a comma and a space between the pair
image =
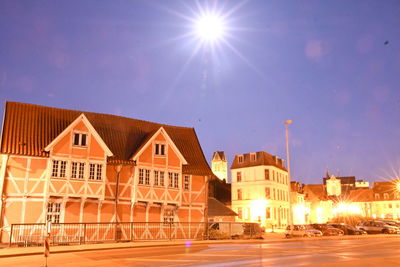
x: 262, y: 159
x: 315, y: 192
x: 361, y: 195
x: 219, y: 155
x: 216, y: 208
x: 28, y: 129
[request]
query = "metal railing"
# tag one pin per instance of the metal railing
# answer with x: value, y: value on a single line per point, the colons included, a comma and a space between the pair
x: 81, y: 233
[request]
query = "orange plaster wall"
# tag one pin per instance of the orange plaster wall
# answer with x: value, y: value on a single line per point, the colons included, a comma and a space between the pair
x: 160, y: 137
x: 139, y: 213
x: 173, y: 159
x: 72, y: 210
x: 80, y: 126
x: 17, y: 166
x: 63, y: 145
x: 33, y: 210
x: 124, y: 212
x: 147, y: 155
x: 95, y: 148
x: 13, y: 212
x: 154, y: 214
x: 107, y: 212
x: 38, y: 167
x: 90, y: 212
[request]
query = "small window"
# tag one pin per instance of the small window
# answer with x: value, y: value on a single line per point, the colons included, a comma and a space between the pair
x: 74, y: 170
x: 80, y: 139
x: 240, y: 159
x: 176, y: 180
x: 239, y: 194
x: 267, y: 193
x: 59, y: 169
x: 99, y: 172
x: 156, y: 178
x: 390, y: 206
x: 238, y: 176
x: 268, y: 213
x: 141, y: 176
x: 53, y: 212
x: 92, y: 171
x: 81, y: 173
x: 376, y: 196
x: 160, y: 149
x: 253, y: 157
x: 240, y: 213
x: 147, y: 177
x: 385, y: 196
x: 186, y: 182
x: 266, y: 174
x: 170, y: 179
x: 161, y: 178
x: 168, y: 217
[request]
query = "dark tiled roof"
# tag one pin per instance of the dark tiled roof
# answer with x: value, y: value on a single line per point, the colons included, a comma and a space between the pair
x: 262, y: 159
x: 219, y: 190
x: 315, y: 192
x: 361, y: 195
x: 28, y: 129
x: 216, y: 208
x: 219, y: 155
x: 386, y: 187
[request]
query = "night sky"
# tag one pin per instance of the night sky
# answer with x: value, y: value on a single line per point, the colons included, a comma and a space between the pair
x: 333, y: 67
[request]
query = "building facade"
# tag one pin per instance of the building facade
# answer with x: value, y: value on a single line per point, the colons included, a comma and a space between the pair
x: 69, y: 166
x: 219, y: 165
x: 260, y: 189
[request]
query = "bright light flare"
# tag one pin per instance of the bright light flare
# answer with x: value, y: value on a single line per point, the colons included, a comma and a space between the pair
x: 210, y: 27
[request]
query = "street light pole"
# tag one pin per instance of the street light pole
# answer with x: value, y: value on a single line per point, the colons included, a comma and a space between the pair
x: 288, y: 168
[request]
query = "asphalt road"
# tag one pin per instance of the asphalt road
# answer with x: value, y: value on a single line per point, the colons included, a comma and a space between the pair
x: 365, y: 252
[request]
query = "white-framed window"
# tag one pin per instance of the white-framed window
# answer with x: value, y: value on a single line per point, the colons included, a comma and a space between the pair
x: 80, y: 139
x: 95, y: 171
x: 156, y: 178
x: 240, y: 158
x: 74, y: 170
x: 53, y: 212
x: 59, y: 168
x: 159, y: 149
x: 169, y: 215
x: 147, y: 177
x: 176, y: 180
x: 186, y: 182
x: 162, y: 174
x: 170, y: 179
x: 141, y: 176
x: 81, y: 170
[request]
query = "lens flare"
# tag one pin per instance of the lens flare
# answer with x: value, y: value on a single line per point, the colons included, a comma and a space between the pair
x: 210, y: 28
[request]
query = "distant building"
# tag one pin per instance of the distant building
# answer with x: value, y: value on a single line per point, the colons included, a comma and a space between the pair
x: 219, y: 165
x: 300, y: 209
x: 260, y: 189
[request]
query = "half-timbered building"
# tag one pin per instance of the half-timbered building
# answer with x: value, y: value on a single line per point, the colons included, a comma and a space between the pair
x: 68, y: 166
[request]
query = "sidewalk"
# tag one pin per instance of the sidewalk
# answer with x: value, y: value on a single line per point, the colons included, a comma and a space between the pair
x: 268, y: 238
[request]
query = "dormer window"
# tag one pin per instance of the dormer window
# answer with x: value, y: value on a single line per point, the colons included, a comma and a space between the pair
x: 386, y: 196
x: 80, y: 139
x: 159, y: 150
x: 253, y: 157
x: 240, y: 158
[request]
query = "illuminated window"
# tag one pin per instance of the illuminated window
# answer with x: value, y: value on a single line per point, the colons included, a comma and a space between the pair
x: 238, y: 177
x: 239, y: 194
x: 240, y: 213
x: 53, y: 212
x: 80, y: 139
x: 267, y: 192
x: 390, y: 206
x: 159, y: 149
x: 268, y: 213
x: 186, y: 182
x: 274, y: 193
x: 266, y: 174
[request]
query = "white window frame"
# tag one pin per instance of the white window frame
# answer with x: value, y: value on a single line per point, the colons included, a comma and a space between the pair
x: 147, y: 177
x: 98, y: 171
x: 81, y: 134
x: 186, y: 182
x: 53, y: 212
x: 141, y: 176
x: 160, y: 147
x: 169, y: 216
x: 56, y: 171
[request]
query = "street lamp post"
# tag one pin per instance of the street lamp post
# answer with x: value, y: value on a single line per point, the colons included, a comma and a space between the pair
x: 288, y: 165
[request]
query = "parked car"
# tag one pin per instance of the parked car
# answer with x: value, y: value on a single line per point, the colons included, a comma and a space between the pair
x: 393, y: 224
x: 296, y: 231
x: 376, y: 227
x: 312, y: 231
x: 327, y: 230
x: 348, y: 229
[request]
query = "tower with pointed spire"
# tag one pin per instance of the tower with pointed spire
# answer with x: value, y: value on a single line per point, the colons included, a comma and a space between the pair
x: 219, y: 165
